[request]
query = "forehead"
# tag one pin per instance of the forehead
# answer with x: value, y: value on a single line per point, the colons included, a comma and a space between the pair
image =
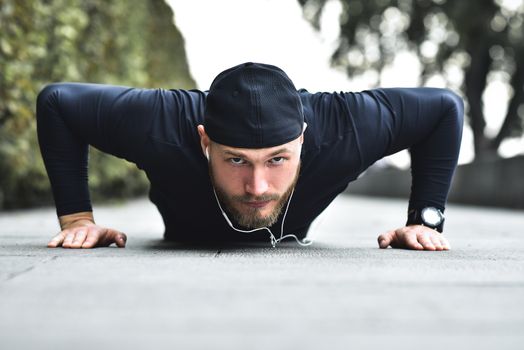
x: 290, y: 147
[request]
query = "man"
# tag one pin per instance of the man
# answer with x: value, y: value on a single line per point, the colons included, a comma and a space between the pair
x: 249, y: 159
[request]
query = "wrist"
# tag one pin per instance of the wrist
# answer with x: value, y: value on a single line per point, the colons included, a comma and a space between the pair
x: 427, y: 216
x: 76, y: 219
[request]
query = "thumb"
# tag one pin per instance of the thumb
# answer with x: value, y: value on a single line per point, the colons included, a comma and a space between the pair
x: 118, y: 237
x: 384, y: 240
x: 121, y: 240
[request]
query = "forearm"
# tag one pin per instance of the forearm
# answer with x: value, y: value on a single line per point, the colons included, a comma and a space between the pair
x: 426, y: 121
x: 64, y: 151
x: 72, y: 116
x: 434, y: 159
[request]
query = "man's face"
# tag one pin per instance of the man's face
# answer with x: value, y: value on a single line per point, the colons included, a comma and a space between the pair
x: 254, y: 184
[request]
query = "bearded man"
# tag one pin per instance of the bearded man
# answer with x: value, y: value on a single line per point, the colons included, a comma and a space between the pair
x: 249, y: 159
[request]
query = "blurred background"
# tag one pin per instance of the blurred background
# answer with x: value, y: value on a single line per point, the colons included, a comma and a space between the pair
x: 475, y: 48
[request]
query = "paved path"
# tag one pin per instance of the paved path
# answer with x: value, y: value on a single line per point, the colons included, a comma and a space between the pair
x: 341, y: 293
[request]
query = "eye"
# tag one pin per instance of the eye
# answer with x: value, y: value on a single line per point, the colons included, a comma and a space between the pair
x: 277, y: 160
x: 236, y: 161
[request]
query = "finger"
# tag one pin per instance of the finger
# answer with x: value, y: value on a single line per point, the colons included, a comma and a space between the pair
x: 57, y: 240
x: 114, y: 236
x: 91, y: 239
x: 423, y: 238
x: 385, y: 239
x: 445, y: 243
x: 68, y: 240
x: 435, y: 240
x: 121, y: 240
x: 411, y: 240
x: 79, y: 239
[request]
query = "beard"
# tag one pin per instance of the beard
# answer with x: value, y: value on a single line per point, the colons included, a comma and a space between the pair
x: 252, y: 218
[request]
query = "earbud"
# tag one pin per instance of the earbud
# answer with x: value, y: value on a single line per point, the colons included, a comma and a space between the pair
x: 207, y: 153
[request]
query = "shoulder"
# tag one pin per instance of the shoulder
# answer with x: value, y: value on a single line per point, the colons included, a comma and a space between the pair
x: 327, y: 115
x: 180, y: 112
x: 193, y: 97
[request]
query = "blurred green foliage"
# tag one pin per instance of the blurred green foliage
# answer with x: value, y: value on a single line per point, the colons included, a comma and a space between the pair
x: 132, y: 42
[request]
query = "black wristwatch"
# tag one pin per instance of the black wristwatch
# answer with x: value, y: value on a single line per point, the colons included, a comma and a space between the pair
x: 429, y: 216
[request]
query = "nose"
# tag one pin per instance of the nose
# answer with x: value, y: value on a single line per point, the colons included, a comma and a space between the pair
x: 257, y: 183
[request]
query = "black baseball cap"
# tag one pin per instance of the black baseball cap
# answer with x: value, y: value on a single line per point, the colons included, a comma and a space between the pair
x: 253, y: 105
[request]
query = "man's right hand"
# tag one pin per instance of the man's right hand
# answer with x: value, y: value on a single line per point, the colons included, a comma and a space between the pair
x: 84, y: 233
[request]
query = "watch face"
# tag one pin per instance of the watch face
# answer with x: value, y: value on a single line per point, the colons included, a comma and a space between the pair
x: 431, y: 216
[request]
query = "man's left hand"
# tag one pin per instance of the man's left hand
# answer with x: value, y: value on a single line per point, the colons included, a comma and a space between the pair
x: 414, y: 237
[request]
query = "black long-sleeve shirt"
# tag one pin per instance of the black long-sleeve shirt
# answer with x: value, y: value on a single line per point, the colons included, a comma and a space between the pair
x: 157, y: 130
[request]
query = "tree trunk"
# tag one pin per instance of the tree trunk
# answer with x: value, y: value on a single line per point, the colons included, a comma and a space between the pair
x: 475, y: 83
x: 512, y: 117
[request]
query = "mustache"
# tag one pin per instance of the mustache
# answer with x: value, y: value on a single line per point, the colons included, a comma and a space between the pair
x: 249, y: 198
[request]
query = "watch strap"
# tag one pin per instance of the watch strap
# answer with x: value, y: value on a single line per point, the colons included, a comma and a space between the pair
x: 415, y: 218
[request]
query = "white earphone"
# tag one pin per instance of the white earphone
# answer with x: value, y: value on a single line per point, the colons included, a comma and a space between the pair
x: 273, y: 239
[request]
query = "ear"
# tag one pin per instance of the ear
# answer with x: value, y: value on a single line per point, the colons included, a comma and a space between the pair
x: 302, y: 135
x: 204, y: 139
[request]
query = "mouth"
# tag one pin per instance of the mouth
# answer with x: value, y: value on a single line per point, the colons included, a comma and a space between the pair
x: 257, y: 204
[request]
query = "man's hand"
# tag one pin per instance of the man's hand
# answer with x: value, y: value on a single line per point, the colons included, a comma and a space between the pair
x: 414, y: 237
x: 86, y: 234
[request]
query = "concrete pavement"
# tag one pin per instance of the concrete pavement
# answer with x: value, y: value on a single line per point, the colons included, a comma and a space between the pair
x: 340, y: 293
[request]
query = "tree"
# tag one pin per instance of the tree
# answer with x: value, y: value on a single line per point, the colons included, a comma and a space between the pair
x: 481, y: 37
x: 125, y: 42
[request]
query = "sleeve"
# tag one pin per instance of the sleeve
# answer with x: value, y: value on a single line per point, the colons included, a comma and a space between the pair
x: 72, y: 116
x: 426, y: 121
